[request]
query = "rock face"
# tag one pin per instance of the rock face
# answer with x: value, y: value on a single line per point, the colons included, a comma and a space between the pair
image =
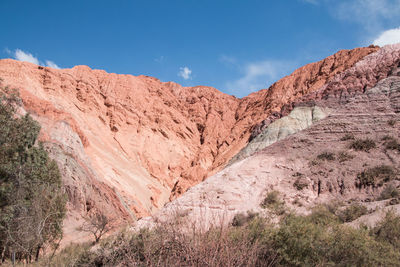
x: 302, y: 112
x: 317, y: 164
x: 126, y: 145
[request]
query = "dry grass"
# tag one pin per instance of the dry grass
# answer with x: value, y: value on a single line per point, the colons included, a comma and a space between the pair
x: 318, y: 239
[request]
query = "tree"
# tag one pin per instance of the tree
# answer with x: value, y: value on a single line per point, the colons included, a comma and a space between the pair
x: 97, y: 224
x: 32, y: 201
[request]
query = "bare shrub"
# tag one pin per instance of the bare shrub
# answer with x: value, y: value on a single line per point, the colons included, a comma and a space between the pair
x: 363, y: 144
x: 300, y: 183
x: 389, y: 192
x: 391, y: 143
x: 376, y: 176
x: 344, y: 156
x: 98, y: 225
x: 347, y: 137
x: 329, y: 156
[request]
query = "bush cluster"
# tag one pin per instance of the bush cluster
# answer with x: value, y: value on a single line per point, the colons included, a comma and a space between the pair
x: 389, y: 192
x: 352, y: 212
x: 273, y: 202
x: 391, y: 143
x: 326, y: 156
x: 363, y: 144
x: 376, y: 176
x: 319, y: 239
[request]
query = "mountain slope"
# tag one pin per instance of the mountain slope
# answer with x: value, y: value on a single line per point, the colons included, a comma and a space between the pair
x: 323, y: 161
x: 126, y: 145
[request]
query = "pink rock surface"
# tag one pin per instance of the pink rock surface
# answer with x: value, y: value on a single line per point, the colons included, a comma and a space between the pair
x: 127, y: 145
x: 243, y: 186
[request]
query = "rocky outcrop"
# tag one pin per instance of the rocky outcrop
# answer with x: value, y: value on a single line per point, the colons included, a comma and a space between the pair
x: 317, y: 164
x: 299, y: 118
x: 126, y: 145
x: 359, y: 78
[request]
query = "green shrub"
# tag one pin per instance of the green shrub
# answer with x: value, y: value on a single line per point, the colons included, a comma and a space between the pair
x: 272, y: 202
x: 388, y: 229
x: 323, y: 215
x: 389, y: 192
x: 326, y: 156
x: 352, y: 212
x: 376, y: 176
x: 241, y: 219
x: 271, y: 199
x: 363, y: 144
x: 298, y: 241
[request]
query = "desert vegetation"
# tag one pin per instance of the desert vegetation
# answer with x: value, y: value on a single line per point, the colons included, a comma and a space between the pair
x: 391, y: 143
x: 273, y: 202
x: 376, y: 176
x: 32, y: 202
x: 348, y: 136
x: 318, y: 239
x: 390, y: 191
x: 352, y: 212
x: 329, y: 156
x: 363, y: 144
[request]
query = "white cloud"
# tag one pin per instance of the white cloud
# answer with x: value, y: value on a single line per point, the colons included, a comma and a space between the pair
x: 258, y: 75
x: 28, y: 57
x: 391, y: 36
x: 25, y: 56
x: 51, y: 64
x: 185, y: 73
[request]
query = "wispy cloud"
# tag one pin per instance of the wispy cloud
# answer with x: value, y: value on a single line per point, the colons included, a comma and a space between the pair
x: 391, y: 36
x: 227, y: 60
x: 159, y: 59
x: 185, y: 73
x: 258, y: 75
x: 374, y: 16
x: 314, y: 2
x: 371, y: 14
x: 51, y: 64
x: 25, y: 56
x: 20, y: 55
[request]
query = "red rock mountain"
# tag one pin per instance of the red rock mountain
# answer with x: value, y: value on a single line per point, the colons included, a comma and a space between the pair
x: 310, y: 153
x: 126, y: 145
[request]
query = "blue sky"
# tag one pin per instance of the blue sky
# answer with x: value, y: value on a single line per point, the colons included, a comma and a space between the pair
x: 237, y: 46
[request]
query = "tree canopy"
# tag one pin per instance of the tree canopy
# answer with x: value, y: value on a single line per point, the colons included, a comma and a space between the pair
x: 32, y: 201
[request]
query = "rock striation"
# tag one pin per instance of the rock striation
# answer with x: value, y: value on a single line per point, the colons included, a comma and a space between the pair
x: 315, y: 161
x: 126, y: 145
